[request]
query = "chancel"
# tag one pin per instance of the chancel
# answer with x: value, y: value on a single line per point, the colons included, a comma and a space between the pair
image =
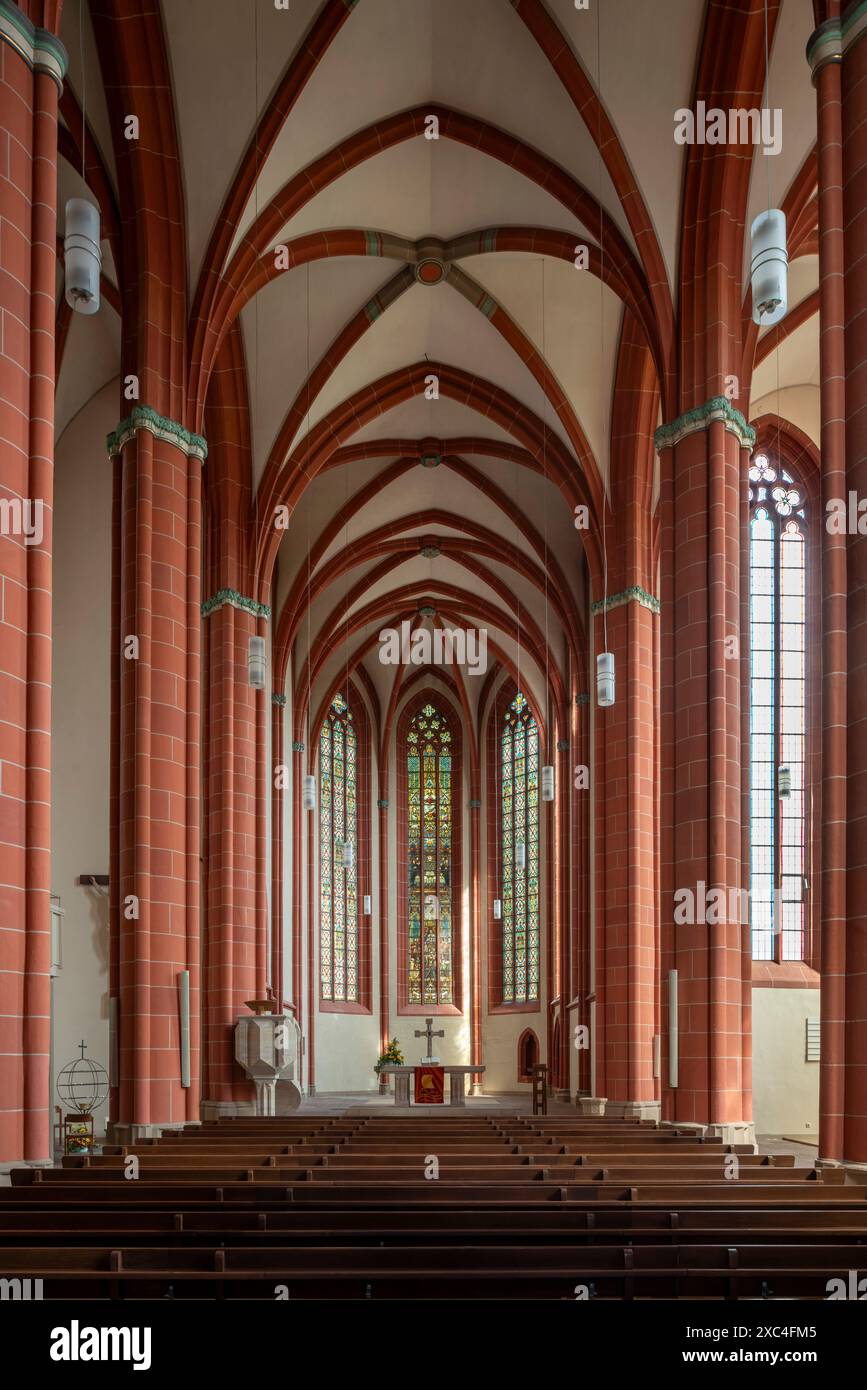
x: 432, y: 647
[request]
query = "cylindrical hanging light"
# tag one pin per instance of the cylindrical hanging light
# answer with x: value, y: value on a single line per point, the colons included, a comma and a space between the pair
x: 605, y: 679
x: 784, y: 782
x: 547, y: 783
x: 256, y: 662
x: 348, y: 852
x: 498, y: 909
x: 521, y: 854
x: 368, y: 904
x: 308, y: 793
x: 82, y: 256
x: 769, y: 270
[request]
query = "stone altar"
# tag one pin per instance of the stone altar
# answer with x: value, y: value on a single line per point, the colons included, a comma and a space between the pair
x: 457, y: 1079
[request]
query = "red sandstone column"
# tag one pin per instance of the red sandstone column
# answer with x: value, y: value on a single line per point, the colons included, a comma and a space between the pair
x: 235, y: 932
x: 824, y: 53
x: 384, y: 1019
x: 298, y: 816
x: 157, y: 933
x: 32, y: 64
x: 312, y: 950
x: 625, y: 901
x: 278, y: 830
x: 564, y: 916
x: 476, y: 1047
x: 703, y: 461
x: 580, y: 914
x: 853, y: 955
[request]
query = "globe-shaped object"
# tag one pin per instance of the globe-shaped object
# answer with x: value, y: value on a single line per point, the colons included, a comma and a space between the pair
x: 83, y: 1085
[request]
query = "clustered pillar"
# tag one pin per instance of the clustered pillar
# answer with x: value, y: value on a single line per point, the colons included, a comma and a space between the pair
x: 32, y: 66
x: 155, y: 869
x: 837, y: 53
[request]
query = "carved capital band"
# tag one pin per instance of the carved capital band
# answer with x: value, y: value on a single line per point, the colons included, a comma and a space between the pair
x: 143, y: 418
x: 231, y: 598
x: 41, y: 50
x: 718, y: 408
x: 634, y: 595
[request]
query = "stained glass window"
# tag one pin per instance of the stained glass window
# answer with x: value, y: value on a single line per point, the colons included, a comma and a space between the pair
x: 778, y: 623
x: 338, y: 879
x: 430, y: 947
x: 519, y: 844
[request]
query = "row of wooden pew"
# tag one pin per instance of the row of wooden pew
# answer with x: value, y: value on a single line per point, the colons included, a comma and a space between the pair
x: 395, y: 1207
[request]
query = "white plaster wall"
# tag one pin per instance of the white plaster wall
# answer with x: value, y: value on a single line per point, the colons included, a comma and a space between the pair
x: 80, y: 726
x: 785, y: 1086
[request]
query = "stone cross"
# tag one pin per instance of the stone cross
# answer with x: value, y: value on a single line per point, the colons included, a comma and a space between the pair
x: 428, y: 1032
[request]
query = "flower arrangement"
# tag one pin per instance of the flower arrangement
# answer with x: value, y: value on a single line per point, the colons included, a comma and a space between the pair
x: 391, y: 1057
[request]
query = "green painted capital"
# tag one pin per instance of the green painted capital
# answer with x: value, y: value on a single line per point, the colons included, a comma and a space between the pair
x: 582, y: 699
x: 634, y: 595
x: 718, y: 408
x: 144, y: 418
x: 232, y: 599
x: 825, y: 45
x: 833, y: 39
x: 837, y: 36
x: 297, y: 746
x: 277, y: 699
x: 41, y: 50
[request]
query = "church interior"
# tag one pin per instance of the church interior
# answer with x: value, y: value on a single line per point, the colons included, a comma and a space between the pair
x: 433, y: 752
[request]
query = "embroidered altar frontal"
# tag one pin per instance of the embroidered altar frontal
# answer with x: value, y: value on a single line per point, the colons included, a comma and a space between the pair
x: 430, y: 1085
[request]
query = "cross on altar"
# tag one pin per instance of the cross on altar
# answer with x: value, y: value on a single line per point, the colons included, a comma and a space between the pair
x: 428, y: 1032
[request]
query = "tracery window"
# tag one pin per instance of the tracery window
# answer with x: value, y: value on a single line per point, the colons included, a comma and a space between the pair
x: 429, y: 754
x: 519, y: 844
x: 338, y: 867
x: 778, y: 631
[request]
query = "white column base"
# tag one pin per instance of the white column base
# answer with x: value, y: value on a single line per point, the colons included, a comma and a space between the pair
x: 634, y: 1109
x: 592, y: 1105
x: 731, y: 1132
x: 734, y: 1132
x: 226, y: 1109
x: 128, y: 1132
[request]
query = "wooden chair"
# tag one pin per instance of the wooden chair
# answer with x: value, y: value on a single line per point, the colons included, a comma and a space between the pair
x: 540, y: 1088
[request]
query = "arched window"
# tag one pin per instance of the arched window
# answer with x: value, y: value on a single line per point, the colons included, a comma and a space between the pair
x: 519, y: 847
x: 778, y: 715
x: 338, y: 855
x: 429, y: 856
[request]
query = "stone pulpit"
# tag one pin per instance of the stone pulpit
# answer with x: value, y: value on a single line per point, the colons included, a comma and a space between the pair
x: 267, y: 1047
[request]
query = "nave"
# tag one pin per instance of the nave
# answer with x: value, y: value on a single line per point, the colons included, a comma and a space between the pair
x: 490, y: 1205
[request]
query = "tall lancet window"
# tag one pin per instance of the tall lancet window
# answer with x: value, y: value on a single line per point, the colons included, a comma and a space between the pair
x: 430, y: 782
x: 338, y: 855
x: 519, y: 844
x: 778, y: 727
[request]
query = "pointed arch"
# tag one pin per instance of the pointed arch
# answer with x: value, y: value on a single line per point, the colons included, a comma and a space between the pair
x: 528, y: 1055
